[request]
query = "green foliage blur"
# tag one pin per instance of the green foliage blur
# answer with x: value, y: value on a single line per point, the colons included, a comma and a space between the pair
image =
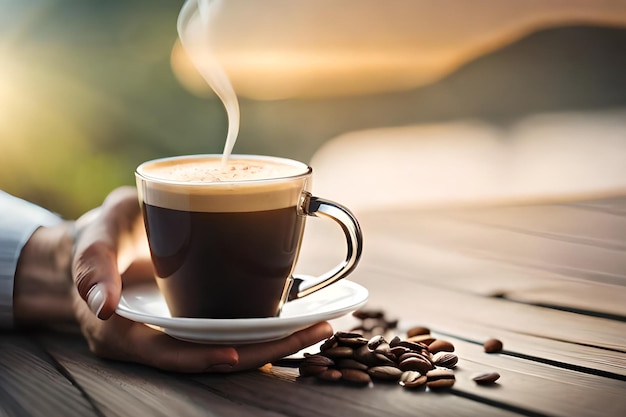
x: 87, y: 94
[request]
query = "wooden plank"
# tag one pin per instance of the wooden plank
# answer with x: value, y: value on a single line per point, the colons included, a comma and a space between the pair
x: 123, y: 389
x: 478, y: 318
x: 461, y: 272
x: 573, y: 259
x: 536, y: 386
x: 554, y: 222
x: 31, y: 384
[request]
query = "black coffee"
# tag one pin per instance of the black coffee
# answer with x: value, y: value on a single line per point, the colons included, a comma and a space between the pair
x: 223, y: 265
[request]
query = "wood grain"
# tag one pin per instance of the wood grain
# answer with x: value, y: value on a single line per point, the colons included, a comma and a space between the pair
x: 31, y: 384
x: 547, y: 280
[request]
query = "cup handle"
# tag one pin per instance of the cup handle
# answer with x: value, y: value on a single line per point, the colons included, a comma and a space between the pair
x: 318, y: 207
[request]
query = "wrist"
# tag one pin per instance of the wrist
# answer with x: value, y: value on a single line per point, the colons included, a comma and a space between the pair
x: 43, y: 281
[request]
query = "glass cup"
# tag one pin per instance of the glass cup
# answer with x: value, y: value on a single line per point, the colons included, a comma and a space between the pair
x: 225, y: 239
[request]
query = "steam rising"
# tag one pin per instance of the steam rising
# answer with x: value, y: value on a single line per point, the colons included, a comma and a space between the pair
x: 195, y: 22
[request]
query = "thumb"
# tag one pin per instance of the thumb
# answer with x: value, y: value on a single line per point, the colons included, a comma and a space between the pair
x: 97, y: 278
x: 96, y: 260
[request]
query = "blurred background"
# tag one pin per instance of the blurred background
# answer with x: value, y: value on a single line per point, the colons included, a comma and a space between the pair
x: 89, y: 89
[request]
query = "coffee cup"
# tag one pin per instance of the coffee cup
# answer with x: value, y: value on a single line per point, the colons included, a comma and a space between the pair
x: 225, y: 237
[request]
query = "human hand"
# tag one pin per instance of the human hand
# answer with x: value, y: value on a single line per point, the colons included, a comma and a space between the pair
x: 111, y: 247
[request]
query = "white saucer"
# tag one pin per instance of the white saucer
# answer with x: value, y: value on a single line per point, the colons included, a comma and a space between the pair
x: 145, y: 304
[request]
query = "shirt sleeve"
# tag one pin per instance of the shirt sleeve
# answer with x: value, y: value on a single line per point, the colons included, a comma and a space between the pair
x: 18, y: 220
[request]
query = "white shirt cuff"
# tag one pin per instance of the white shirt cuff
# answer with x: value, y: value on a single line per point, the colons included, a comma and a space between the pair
x: 18, y: 221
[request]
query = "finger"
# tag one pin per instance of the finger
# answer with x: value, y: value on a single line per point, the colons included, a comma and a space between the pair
x: 124, y: 340
x: 100, y: 245
x: 154, y: 348
x: 256, y: 355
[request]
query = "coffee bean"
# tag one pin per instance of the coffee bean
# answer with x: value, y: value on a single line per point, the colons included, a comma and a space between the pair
x: 351, y: 364
x: 439, y: 378
x: 420, y: 364
x: 417, y: 347
x: 370, y: 358
x: 409, y: 375
x: 440, y: 345
x: 368, y: 314
x: 398, y: 351
x: 445, y: 359
x: 330, y: 375
x: 426, y: 339
x: 355, y: 376
x: 409, y: 354
x: 395, y: 341
x: 312, y: 370
x: 376, y: 341
x: 387, y: 373
x: 391, y: 324
x: 412, y: 379
x: 384, y: 349
x: 329, y: 343
x: 493, y: 346
x: 350, y: 339
x: 339, y: 352
x: 417, y: 331
x: 346, y: 335
x: 487, y: 378
x: 317, y: 359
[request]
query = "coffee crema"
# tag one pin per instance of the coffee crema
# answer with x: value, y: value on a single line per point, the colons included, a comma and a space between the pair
x: 213, y: 170
x: 203, y: 184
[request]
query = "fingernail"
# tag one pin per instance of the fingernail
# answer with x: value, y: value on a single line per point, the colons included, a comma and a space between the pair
x: 96, y: 299
x: 224, y: 367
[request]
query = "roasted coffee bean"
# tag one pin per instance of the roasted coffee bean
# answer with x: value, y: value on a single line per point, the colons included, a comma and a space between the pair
x: 425, y: 339
x: 346, y: 335
x: 445, y: 359
x: 398, y: 351
x: 376, y: 341
x: 409, y: 375
x: 391, y: 324
x: 355, y: 376
x: 487, y: 378
x: 412, y: 379
x: 350, y: 339
x: 318, y: 359
x: 329, y: 343
x: 417, y: 347
x: 368, y: 314
x: 339, y: 352
x: 370, y: 358
x: 351, y: 364
x: 409, y: 354
x: 439, y: 378
x: 417, y: 331
x: 387, y: 373
x: 330, y: 375
x: 395, y: 341
x: 440, y: 345
x: 420, y: 364
x: 493, y: 346
x: 384, y: 349
x: 312, y: 370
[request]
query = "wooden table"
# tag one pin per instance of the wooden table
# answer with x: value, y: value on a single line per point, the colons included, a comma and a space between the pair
x: 549, y: 280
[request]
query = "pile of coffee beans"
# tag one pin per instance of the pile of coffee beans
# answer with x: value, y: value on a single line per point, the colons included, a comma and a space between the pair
x: 418, y: 361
